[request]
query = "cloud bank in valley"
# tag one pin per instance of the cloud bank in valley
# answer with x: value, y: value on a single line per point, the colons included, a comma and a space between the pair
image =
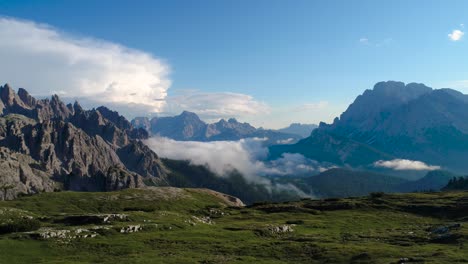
x: 404, y: 164
x: 246, y: 155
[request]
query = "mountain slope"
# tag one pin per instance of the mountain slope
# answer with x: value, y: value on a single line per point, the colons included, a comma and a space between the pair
x: 433, y: 181
x: 394, y: 120
x: 345, y: 183
x: 183, y: 174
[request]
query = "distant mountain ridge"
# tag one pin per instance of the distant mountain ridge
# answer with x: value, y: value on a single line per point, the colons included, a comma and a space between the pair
x: 341, y: 182
x: 303, y: 130
x: 189, y: 127
x: 393, y: 120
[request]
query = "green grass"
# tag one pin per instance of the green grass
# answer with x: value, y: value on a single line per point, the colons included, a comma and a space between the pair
x: 379, y: 229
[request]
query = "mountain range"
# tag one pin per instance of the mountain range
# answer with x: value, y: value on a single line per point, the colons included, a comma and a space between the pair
x: 393, y: 121
x: 47, y: 145
x: 189, y: 127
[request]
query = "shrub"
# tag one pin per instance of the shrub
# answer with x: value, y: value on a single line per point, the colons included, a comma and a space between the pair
x: 374, y: 195
x: 20, y: 225
x: 295, y: 222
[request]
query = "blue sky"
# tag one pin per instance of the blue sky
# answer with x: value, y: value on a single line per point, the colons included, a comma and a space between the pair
x: 297, y: 61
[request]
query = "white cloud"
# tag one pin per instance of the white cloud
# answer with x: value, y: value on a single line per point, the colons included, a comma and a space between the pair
x: 220, y: 156
x: 456, y: 35
x: 404, y: 164
x: 213, y: 105
x: 45, y: 60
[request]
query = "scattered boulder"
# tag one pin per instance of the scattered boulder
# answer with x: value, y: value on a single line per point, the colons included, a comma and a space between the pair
x: 409, y: 260
x: 48, y: 233
x: 444, y: 234
x: 201, y: 219
x: 281, y: 229
x: 445, y: 229
x: 131, y: 229
x: 94, y: 219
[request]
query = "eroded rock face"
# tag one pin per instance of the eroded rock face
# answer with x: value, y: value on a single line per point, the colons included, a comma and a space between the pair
x: 47, y: 145
x: 20, y: 174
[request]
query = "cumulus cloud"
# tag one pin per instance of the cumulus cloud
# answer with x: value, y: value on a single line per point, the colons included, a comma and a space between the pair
x: 456, y: 35
x: 45, y: 61
x: 404, y: 164
x: 212, y: 105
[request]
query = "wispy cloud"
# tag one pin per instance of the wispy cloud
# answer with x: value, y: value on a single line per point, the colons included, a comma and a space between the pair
x: 212, y: 105
x: 456, y: 35
x: 364, y: 41
x: 311, y: 106
x: 45, y: 60
x: 404, y: 164
x: 376, y: 43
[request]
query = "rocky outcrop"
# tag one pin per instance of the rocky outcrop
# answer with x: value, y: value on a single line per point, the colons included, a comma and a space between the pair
x: 21, y: 174
x: 141, y: 159
x: 24, y: 104
x: 47, y: 145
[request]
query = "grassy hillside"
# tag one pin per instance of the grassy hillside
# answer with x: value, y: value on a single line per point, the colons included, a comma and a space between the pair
x: 199, y: 226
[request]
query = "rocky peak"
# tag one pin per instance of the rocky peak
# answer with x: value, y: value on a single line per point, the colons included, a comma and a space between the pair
x: 77, y: 107
x: 114, y: 117
x: 7, y: 94
x: 190, y: 117
x: 26, y: 97
x: 398, y: 90
x: 374, y: 105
